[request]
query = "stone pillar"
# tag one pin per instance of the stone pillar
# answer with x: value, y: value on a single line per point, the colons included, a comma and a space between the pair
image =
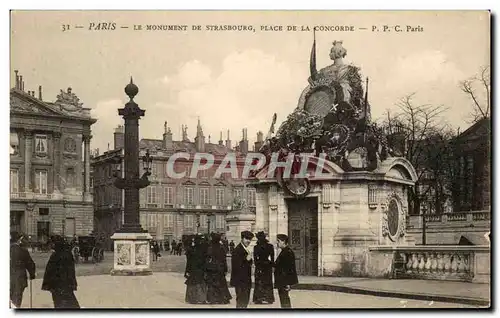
x: 86, y: 162
x: 57, y: 162
x: 261, y: 209
x: 273, y: 213
x: 28, y: 137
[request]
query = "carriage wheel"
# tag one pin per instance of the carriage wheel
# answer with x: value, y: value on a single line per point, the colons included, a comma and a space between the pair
x: 76, y: 254
x: 95, y: 255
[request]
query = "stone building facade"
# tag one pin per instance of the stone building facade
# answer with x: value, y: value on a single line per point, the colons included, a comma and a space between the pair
x: 171, y: 208
x: 49, y: 164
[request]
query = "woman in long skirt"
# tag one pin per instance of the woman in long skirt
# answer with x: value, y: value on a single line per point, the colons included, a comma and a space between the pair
x: 264, y: 260
x: 216, y: 270
x: 196, y: 288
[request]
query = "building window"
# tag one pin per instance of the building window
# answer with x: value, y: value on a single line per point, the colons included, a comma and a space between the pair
x: 14, y: 181
x: 144, y: 220
x: 41, y: 144
x: 168, y: 220
x: 219, y: 221
x: 204, y: 198
x: 152, y: 220
x: 41, y: 181
x: 203, y: 174
x: 251, y: 197
x: 151, y: 195
x: 169, y: 195
x: 219, y: 196
x: 189, y: 196
x: 189, y: 222
x: 43, y: 211
x: 14, y: 143
x: 203, y: 220
x: 154, y: 170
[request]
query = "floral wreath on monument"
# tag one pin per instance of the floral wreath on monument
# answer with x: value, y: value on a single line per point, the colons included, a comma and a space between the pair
x: 332, y: 118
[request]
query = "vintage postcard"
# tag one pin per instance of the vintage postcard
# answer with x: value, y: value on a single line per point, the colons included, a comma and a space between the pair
x: 250, y: 159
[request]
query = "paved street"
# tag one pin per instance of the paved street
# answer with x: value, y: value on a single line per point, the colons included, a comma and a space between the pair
x: 166, y: 290
x: 168, y: 263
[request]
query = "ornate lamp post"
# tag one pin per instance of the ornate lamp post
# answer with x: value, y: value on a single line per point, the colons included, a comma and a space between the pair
x: 131, y: 242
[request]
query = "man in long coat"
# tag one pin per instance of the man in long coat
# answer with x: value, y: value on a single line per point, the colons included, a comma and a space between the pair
x: 60, y: 275
x: 241, y: 270
x: 20, y: 263
x: 285, y: 273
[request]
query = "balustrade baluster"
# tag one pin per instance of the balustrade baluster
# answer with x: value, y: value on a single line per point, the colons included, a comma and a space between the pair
x: 421, y: 265
x: 454, y: 263
x: 440, y: 262
x: 428, y: 262
x: 415, y: 263
x: 434, y: 262
x: 461, y: 263
x: 409, y: 264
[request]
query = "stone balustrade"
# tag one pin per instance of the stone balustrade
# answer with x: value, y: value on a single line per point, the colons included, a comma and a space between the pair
x: 454, y: 217
x: 456, y: 263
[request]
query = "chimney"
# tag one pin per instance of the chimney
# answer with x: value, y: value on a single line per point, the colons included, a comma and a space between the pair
x: 119, y: 135
x: 244, y: 142
x: 17, y: 79
x: 199, y: 140
x: 40, y: 92
x: 228, y: 141
x: 21, y: 87
x: 260, y: 141
x: 221, y: 142
x: 167, y: 138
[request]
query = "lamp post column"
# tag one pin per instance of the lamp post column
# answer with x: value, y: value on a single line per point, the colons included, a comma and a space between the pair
x: 131, y: 242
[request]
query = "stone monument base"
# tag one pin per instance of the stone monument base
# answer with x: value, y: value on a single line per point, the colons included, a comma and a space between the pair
x: 132, y: 255
x: 237, y: 222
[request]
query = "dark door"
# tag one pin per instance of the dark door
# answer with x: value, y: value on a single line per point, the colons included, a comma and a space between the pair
x: 303, y: 225
x: 43, y: 231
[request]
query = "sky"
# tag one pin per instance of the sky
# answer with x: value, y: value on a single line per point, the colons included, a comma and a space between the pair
x: 232, y: 80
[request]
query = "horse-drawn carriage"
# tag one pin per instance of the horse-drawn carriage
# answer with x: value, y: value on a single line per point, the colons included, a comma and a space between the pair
x: 87, y: 247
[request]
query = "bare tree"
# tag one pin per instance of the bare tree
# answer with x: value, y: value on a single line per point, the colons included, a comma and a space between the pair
x: 478, y: 88
x: 417, y: 133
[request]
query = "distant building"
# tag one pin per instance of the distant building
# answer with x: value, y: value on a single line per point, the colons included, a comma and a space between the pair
x: 472, y: 185
x: 49, y: 170
x: 171, y: 208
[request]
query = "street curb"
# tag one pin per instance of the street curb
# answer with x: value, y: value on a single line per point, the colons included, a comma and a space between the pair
x: 394, y: 294
x: 390, y: 294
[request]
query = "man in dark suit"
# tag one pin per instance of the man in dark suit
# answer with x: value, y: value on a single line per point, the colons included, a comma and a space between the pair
x: 241, y: 270
x: 285, y: 274
x: 20, y: 262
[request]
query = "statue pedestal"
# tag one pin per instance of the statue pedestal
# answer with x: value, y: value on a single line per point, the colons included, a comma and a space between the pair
x: 131, y: 254
x: 237, y: 222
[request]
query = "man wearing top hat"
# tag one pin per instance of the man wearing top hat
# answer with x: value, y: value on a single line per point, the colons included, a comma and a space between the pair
x: 241, y: 270
x: 20, y: 263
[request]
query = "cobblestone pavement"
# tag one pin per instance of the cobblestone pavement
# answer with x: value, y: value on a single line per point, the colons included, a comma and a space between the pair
x: 166, y: 290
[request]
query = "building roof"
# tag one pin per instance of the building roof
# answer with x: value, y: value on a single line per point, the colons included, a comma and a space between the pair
x: 186, y: 146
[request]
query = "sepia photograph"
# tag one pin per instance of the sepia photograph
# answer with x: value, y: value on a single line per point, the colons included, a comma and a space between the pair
x: 250, y: 159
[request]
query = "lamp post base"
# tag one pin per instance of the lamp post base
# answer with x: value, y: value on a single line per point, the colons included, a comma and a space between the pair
x: 131, y: 254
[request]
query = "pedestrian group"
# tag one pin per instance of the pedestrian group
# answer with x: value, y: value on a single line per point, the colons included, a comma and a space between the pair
x: 59, y: 278
x: 206, y: 270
